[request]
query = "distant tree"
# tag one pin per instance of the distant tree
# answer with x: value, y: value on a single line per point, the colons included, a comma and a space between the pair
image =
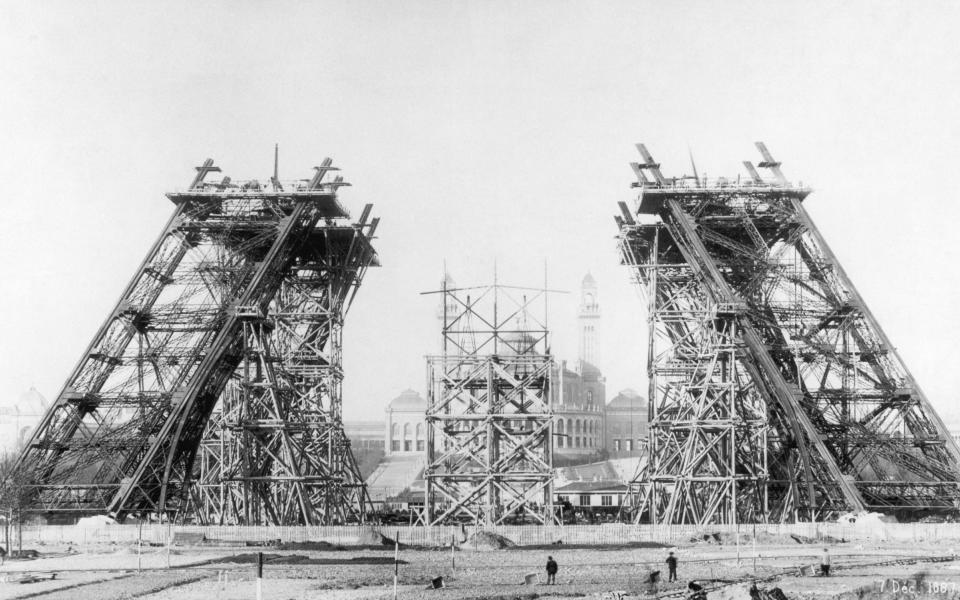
x: 13, y: 496
x: 14, y: 486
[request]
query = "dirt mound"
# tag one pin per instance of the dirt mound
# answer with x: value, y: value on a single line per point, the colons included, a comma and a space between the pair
x: 371, y: 537
x: 762, y: 537
x: 484, y: 540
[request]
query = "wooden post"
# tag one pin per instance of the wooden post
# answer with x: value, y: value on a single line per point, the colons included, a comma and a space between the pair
x: 453, y: 555
x: 169, y: 540
x: 259, y: 575
x: 6, y: 532
x: 738, y: 543
x: 396, y: 563
x: 139, y: 542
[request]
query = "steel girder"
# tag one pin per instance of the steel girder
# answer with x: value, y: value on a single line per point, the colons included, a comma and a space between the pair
x: 124, y: 431
x: 489, y: 416
x: 827, y: 418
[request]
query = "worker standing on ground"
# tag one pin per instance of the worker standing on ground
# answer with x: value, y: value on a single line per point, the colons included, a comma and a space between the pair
x: 672, y: 567
x: 825, y: 563
x: 551, y: 571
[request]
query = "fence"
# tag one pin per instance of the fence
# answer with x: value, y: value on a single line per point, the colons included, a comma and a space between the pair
x: 608, y: 534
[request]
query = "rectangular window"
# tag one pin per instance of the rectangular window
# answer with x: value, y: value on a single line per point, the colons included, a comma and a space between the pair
x: 629, y: 445
x: 420, y: 445
x: 395, y: 445
x: 563, y: 498
x: 606, y: 500
x: 584, y: 500
x: 616, y: 445
x: 560, y: 442
x: 407, y: 445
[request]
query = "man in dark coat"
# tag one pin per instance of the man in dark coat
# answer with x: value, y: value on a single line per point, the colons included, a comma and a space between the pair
x: 672, y: 567
x: 551, y: 571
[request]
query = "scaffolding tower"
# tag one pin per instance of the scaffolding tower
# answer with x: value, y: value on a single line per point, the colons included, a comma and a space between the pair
x: 775, y: 395
x: 224, y: 345
x: 489, y: 416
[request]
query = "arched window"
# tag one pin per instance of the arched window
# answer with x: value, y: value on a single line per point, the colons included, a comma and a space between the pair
x: 569, y: 426
x: 395, y: 437
x: 407, y: 441
x: 421, y: 443
x: 577, y: 425
x: 560, y: 426
x: 589, y: 396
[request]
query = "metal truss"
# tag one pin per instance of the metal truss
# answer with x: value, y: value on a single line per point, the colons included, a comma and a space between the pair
x: 241, y: 296
x: 275, y: 452
x: 776, y: 396
x: 489, y: 416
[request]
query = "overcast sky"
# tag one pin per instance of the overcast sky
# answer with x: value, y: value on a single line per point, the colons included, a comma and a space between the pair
x: 482, y: 132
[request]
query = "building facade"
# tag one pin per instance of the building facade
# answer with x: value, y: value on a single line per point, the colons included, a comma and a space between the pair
x: 577, y: 398
x: 365, y: 435
x: 626, y: 424
x: 406, y: 427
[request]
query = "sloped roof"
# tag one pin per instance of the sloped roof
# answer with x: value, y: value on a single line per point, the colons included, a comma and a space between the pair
x: 592, y: 486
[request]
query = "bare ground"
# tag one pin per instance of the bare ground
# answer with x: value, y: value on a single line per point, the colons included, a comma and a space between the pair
x: 367, y: 573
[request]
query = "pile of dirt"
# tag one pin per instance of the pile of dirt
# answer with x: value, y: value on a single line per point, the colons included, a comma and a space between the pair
x: 866, y: 519
x: 826, y: 539
x: 371, y: 537
x: 484, y: 540
x: 762, y: 538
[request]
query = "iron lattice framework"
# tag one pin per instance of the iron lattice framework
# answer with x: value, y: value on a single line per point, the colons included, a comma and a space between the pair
x: 775, y: 394
x: 239, y: 304
x: 489, y: 416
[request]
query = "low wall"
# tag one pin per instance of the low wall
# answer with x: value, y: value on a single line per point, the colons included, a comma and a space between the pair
x: 611, y: 534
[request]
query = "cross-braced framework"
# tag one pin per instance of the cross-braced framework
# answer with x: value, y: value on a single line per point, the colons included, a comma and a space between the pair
x: 489, y: 417
x: 275, y: 451
x: 775, y: 395
x: 239, y: 303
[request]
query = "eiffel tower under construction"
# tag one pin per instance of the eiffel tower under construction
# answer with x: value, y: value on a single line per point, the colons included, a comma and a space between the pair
x: 775, y: 395
x: 212, y: 391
